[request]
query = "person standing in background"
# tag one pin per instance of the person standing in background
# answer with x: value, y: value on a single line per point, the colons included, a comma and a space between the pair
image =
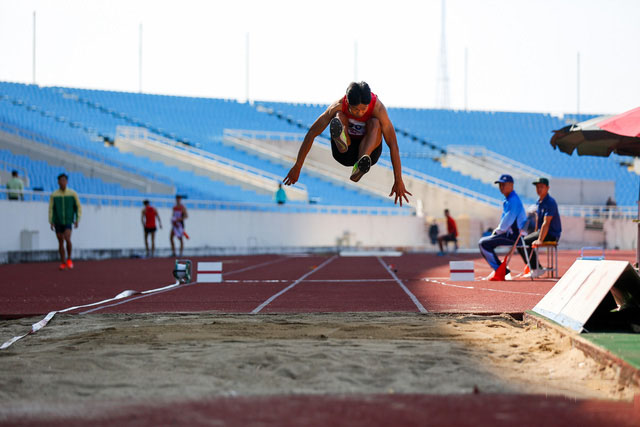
x: 149, y: 215
x: 64, y: 211
x: 15, y: 187
x: 177, y: 225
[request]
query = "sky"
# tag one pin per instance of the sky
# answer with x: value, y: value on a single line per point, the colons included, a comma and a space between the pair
x: 521, y: 55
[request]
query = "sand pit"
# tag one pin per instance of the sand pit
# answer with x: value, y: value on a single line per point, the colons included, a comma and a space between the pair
x: 183, y: 356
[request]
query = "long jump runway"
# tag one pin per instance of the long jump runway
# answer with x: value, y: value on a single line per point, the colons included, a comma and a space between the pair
x: 298, y: 288
x: 272, y: 284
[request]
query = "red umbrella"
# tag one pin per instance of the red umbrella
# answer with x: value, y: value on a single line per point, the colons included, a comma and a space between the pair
x: 627, y: 124
x: 602, y: 136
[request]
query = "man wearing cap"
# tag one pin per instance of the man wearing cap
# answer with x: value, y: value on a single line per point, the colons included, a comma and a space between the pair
x: 511, y: 222
x: 548, y: 227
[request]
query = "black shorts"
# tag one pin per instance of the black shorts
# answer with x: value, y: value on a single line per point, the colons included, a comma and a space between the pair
x: 150, y: 229
x: 60, y: 228
x: 449, y: 237
x: 350, y: 157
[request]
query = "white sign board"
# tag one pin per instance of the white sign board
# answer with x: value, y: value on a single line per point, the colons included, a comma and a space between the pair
x: 461, y: 271
x: 575, y: 297
x: 209, y: 272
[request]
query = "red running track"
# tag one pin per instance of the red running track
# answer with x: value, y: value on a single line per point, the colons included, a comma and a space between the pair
x: 475, y: 410
x: 275, y: 284
x: 286, y: 284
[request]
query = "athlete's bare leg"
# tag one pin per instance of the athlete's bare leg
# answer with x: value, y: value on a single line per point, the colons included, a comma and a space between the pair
x: 173, y: 245
x: 146, y: 241
x: 67, y: 239
x: 372, y: 137
x: 60, y: 237
x: 153, y: 243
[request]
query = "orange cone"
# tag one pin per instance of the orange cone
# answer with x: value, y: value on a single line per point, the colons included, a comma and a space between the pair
x: 500, y: 274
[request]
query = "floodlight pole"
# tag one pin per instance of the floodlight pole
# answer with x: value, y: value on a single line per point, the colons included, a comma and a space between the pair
x: 33, y: 71
x: 578, y: 85
x: 466, y: 78
x: 140, y: 59
x: 355, y: 61
x: 247, y: 57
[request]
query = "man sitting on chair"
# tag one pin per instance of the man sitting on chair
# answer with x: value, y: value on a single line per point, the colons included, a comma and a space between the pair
x: 511, y: 222
x: 548, y: 228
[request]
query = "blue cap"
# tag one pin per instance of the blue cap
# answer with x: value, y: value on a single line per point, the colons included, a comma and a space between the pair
x: 504, y: 178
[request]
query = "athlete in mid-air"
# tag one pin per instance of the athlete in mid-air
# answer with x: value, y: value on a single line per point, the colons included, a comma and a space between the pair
x: 357, y: 122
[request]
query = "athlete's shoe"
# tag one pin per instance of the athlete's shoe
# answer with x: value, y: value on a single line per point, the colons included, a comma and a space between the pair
x: 507, y: 276
x: 537, y: 272
x: 69, y: 264
x: 360, y: 168
x: 337, y: 135
x: 62, y: 266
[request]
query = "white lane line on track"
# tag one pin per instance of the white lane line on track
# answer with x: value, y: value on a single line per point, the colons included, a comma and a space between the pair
x: 291, y: 286
x: 404, y: 288
x: 251, y: 267
x: 310, y: 281
x: 171, y: 288
x: 438, y: 282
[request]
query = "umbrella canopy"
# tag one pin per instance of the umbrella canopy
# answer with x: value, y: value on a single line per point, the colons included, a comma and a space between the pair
x: 601, y: 136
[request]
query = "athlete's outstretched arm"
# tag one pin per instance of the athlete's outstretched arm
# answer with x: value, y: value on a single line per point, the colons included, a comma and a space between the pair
x: 390, y: 138
x: 316, y: 129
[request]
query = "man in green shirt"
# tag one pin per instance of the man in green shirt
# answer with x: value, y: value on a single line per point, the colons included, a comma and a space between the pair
x: 64, y: 210
x: 15, y: 187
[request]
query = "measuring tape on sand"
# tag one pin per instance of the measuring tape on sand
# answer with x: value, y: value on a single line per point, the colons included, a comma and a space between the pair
x: 41, y: 324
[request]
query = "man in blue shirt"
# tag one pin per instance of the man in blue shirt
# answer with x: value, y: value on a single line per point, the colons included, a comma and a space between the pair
x: 511, y: 222
x: 548, y: 226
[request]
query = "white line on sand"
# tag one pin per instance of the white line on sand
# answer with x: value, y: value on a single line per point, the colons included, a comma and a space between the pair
x: 291, y: 286
x: 404, y: 288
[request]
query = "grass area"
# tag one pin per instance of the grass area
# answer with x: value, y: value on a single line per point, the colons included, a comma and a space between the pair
x: 624, y: 345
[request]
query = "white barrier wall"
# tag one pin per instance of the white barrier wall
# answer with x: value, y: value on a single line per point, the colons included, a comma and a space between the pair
x: 111, y: 227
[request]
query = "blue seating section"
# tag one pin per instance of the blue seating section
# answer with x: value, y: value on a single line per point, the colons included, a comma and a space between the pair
x: 83, y: 119
x: 523, y: 137
x: 43, y: 175
x: 425, y: 163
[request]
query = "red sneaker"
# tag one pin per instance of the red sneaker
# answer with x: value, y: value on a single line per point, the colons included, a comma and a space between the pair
x: 69, y: 264
x: 62, y: 266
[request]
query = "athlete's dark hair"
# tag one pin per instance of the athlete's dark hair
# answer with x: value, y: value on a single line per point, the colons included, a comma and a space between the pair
x: 358, y: 93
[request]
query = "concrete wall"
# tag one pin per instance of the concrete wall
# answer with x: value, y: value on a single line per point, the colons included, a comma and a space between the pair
x: 569, y: 191
x: 24, y: 226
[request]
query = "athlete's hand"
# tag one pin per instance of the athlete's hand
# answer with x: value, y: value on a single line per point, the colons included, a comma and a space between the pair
x: 292, y: 176
x: 400, y: 191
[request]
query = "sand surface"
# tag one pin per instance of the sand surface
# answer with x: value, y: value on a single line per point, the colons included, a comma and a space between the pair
x: 102, y: 357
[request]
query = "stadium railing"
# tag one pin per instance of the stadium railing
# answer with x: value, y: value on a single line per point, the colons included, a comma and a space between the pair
x: 59, y: 145
x: 293, y: 137
x: 187, y: 154
x: 164, y: 202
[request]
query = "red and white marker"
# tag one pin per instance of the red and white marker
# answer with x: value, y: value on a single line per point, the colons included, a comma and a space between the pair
x: 461, y: 271
x: 209, y: 272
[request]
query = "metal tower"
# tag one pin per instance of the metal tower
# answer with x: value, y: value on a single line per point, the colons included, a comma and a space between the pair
x: 442, y: 90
